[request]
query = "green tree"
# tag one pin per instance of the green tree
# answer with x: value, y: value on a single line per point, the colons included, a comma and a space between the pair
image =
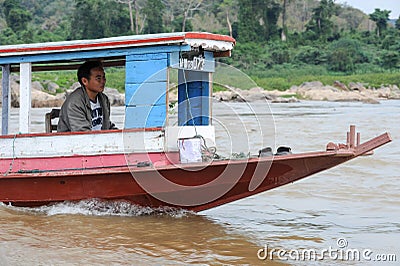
x: 381, y: 18
x: 345, y: 54
x: 397, y: 25
x: 17, y: 18
x: 99, y: 18
x: 178, y: 22
x: 320, y: 24
x: 153, y: 11
x: 8, y: 36
x: 310, y: 55
x: 389, y: 59
x: 257, y: 20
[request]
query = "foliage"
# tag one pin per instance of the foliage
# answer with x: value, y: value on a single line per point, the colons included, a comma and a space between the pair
x: 397, y: 25
x: 97, y: 19
x: 320, y: 26
x: 153, y: 10
x: 375, y: 80
x: 17, y: 18
x: 311, y: 55
x: 345, y: 54
x: 381, y: 18
x: 257, y: 20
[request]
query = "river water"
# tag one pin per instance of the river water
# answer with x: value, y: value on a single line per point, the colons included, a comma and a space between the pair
x: 355, y: 206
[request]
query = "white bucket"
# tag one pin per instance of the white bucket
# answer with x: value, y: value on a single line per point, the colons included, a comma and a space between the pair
x: 190, y: 150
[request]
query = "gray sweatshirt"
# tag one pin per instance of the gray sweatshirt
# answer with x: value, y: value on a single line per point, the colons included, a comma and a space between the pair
x: 76, y: 113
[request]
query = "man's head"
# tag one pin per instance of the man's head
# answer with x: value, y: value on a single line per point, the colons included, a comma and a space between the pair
x: 91, y: 76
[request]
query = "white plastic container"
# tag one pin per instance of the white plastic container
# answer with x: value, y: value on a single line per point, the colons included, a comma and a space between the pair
x: 190, y: 150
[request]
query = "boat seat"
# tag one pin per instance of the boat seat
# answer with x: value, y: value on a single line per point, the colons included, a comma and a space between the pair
x: 49, y: 126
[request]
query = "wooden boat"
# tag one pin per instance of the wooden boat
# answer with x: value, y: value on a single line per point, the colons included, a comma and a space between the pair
x: 142, y: 163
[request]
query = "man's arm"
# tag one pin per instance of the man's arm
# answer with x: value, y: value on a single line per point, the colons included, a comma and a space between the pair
x: 78, y: 117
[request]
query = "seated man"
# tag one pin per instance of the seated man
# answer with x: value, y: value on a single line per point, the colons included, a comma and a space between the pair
x: 87, y: 107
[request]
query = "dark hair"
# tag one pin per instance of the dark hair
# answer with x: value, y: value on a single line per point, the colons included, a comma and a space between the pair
x: 85, y: 68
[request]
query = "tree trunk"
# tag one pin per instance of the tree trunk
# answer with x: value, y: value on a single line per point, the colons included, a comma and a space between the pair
x: 283, y: 35
x: 229, y: 23
x: 184, y: 21
x: 131, y: 14
x: 136, y: 16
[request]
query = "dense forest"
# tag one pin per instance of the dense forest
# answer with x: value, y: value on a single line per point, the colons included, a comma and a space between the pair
x: 274, y: 37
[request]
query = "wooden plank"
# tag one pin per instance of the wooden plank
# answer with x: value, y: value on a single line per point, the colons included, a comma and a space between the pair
x: 146, y: 57
x: 48, y: 145
x: 145, y: 116
x: 25, y: 97
x: 149, y: 71
x: 148, y: 93
x: 6, y: 99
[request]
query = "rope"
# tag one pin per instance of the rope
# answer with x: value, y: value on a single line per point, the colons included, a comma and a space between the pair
x: 13, y: 157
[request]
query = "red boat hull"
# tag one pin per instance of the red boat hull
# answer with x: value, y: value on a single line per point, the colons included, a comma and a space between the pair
x: 194, y: 187
x: 122, y: 183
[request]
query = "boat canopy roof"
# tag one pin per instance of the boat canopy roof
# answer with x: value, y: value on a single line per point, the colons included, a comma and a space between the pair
x: 50, y: 52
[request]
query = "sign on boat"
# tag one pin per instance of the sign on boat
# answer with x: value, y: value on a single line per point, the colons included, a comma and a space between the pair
x: 148, y: 162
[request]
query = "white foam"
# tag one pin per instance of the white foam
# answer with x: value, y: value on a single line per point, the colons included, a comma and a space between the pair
x: 96, y: 207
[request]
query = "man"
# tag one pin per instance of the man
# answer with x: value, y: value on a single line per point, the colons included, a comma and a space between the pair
x: 87, y: 108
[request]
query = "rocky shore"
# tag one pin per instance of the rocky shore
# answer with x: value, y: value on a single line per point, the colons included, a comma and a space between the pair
x: 315, y: 91
x: 44, y: 94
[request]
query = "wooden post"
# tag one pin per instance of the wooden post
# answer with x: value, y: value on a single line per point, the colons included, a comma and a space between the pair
x: 25, y: 97
x: 352, y: 136
x: 6, y: 103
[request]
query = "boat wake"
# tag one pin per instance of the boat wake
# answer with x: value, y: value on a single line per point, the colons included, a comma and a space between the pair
x: 96, y: 207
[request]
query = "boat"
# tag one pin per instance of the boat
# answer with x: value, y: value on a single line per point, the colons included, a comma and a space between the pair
x: 148, y: 162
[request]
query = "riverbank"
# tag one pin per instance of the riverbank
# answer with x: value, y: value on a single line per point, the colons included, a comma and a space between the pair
x: 314, y: 91
x: 44, y: 94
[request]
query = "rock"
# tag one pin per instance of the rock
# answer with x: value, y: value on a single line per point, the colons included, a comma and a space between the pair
x: 43, y: 99
x: 74, y: 86
x: 14, y: 86
x: 223, y: 96
x: 340, y: 85
x: 173, y: 96
x: 356, y: 86
x: 370, y: 101
x: 311, y: 85
x: 36, y: 85
x: 116, y: 98
x: 285, y: 100
x: 52, y: 87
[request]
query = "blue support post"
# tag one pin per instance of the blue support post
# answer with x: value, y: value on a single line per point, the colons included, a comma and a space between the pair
x: 193, y: 98
x: 145, y: 90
